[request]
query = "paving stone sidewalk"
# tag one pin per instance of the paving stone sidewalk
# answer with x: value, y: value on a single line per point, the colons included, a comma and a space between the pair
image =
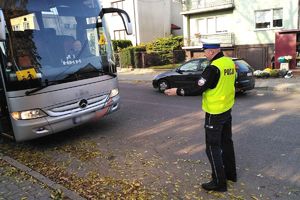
x: 16, y: 184
x: 17, y: 181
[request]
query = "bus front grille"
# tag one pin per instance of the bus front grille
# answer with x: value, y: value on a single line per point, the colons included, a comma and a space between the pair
x: 93, y: 103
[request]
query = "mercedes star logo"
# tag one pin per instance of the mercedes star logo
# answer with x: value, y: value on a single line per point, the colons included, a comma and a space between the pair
x: 83, y: 103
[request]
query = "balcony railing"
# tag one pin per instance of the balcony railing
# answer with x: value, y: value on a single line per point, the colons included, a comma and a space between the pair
x: 191, y: 6
x: 226, y: 39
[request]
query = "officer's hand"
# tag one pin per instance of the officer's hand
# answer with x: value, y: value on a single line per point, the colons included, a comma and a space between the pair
x: 171, y: 92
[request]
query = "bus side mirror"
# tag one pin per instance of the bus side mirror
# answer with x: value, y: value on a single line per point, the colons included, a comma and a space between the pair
x: 126, y: 22
x: 125, y: 17
x: 2, y: 27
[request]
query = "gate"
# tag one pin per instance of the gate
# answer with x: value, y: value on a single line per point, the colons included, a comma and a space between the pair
x: 257, y: 57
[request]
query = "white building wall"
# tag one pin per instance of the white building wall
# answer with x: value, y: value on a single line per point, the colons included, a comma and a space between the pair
x: 241, y: 20
x: 154, y: 19
x: 151, y: 19
x: 243, y: 17
x: 176, y: 18
x: 115, y: 21
x: 185, y: 24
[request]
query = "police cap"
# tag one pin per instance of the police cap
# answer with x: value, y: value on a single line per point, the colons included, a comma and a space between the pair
x: 210, y: 44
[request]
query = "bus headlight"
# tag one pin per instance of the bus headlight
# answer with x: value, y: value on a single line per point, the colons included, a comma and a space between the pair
x: 114, y: 92
x: 29, y: 114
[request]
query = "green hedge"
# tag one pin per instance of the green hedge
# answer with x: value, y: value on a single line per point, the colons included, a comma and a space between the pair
x: 161, y: 49
x: 166, y: 44
x: 164, y: 47
x: 121, y: 44
x: 130, y: 56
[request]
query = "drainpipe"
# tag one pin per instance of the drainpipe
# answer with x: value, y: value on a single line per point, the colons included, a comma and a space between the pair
x: 134, y: 15
x: 298, y: 14
x: 188, y: 30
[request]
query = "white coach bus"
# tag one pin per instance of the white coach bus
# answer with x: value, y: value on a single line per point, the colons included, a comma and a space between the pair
x: 57, y: 65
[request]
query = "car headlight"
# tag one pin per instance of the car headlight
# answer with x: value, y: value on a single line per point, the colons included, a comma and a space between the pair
x: 28, y: 114
x: 114, y: 92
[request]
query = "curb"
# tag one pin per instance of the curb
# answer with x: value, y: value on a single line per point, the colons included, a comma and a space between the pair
x: 292, y: 90
x: 139, y: 70
x: 68, y: 193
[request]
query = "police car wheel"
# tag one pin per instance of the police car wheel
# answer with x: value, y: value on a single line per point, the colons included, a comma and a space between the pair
x: 163, y: 85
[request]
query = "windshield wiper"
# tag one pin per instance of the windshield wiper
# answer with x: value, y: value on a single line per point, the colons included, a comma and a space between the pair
x: 28, y: 92
x: 89, y: 68
x: 88, y: 71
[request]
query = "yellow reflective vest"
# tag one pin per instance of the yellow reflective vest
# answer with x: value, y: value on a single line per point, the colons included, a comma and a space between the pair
x: 221, y: 98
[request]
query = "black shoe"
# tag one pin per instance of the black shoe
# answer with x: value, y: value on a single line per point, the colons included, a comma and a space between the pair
x: 233, y: 179
x: 213, y: 186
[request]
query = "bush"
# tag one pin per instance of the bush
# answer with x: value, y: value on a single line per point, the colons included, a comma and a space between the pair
x: 162, y: 51
x: 121, y: 44
x: 130, y: 56
x: 165, y: 47
x: 166, y: 44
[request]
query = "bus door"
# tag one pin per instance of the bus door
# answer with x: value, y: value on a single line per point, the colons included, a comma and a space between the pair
x: 5, y: 124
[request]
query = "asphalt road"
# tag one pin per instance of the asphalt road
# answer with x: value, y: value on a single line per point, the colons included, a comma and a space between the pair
x: 154, y: 147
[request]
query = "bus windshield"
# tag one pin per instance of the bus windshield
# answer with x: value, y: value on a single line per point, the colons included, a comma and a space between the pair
x: 52, y: 42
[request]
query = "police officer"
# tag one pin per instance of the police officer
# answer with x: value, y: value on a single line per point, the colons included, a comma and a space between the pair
x: 216, y: 85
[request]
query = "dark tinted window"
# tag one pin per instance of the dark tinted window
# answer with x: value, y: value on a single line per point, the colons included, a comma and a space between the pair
x: 242, y: 65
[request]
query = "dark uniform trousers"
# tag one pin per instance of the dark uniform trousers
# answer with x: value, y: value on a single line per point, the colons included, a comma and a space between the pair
x: 219, y: 146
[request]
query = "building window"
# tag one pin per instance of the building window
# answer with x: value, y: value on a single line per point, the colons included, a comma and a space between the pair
x: 117, y: 4
x: 202, y: 28
x: 277, y: 17
x: 222, y: 24
x: 268, y: 18
x: 67, y: 26
x: 16, y: 28
x: 200, y: 4
x: 119, y: 35
x: 26, y: 25
x: 212, y: 25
